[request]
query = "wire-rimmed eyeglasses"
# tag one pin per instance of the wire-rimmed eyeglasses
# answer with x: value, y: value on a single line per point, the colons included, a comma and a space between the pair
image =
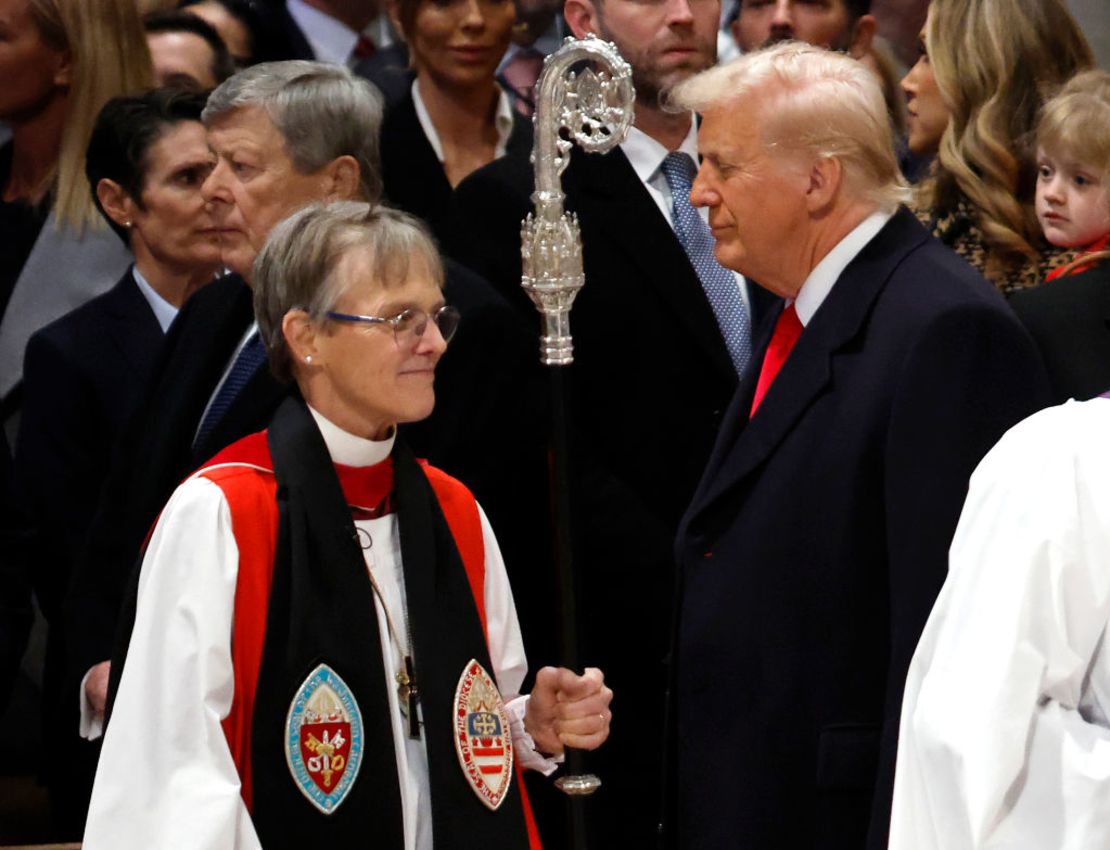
x: 408, y: 324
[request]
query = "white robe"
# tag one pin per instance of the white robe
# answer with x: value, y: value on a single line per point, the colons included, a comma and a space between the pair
x: 166, y: 777
x: 1004, y: 739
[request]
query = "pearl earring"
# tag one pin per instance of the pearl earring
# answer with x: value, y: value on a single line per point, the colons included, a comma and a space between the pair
x: 308, y: 358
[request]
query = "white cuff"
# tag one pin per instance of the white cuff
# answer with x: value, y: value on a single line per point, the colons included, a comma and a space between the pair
x: 527, y: 756
x: 91, y: 725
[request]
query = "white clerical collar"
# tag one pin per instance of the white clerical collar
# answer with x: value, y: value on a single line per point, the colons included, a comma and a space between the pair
x: 502, y: 122
x: 349, y: 450
x: 332, y: 40
x: 646, y: 155
x: 825, y: 274
x: 164, y: 311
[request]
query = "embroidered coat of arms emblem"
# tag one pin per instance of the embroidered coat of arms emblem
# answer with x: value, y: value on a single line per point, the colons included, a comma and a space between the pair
x: 324, y: 739
x: 483, y: 736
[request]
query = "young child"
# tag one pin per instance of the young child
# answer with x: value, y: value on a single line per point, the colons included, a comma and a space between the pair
x: 1073, y: 170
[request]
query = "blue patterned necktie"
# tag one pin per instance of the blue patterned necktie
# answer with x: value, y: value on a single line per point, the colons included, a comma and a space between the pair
x: 719, y: 283
x: 250, y: 358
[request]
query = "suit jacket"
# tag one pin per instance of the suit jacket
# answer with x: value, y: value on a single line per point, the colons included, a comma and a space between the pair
x: 389, y: 70
x: 412, y: 173
x: 817, y: 540
x: 16, y: 612
x: 651, y: 379
x: 82, y: 376
x: 1069, y: 319
x: 284, y: 38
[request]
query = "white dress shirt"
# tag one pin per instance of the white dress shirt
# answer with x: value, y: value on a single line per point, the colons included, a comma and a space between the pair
x: 502, y: 121
x: 820, y: 281
x: 164, y: 311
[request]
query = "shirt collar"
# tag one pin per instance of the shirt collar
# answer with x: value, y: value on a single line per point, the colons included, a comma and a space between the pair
x: 825, y: 274
x: 349, y: 450
x: 646, y: 155
x: 502, y: 121
x: 164, y: 311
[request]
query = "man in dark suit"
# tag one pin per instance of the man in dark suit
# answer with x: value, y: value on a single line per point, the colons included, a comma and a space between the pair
x: 652, y: 375
x: 211, y: 385
x: 1069, y: 319
x: 816, y: 541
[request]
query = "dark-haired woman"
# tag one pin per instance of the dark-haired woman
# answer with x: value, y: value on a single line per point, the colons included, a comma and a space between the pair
x: 456, y: 118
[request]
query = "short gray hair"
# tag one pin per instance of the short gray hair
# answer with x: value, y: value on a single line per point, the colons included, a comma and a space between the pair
x: 321, y: 111
x: 297, y: 268
x: 815, y: 101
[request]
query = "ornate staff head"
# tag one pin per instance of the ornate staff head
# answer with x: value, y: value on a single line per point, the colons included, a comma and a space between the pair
x: 593, y: 109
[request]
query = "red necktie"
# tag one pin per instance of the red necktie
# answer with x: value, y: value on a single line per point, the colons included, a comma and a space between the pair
x: 364, y: 48
x: 787, y: 330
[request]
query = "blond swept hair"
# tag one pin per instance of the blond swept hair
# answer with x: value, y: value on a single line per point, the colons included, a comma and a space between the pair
x: 812, y: 101
x: 1075, y: 125
x: 109, y: 57
x: 995, y: 65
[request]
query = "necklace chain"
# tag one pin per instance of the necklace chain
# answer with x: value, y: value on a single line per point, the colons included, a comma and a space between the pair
x: 407, y: 689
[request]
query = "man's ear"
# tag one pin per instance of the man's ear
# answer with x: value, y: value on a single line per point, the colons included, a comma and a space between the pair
x: 824, y: 179
x: 116, y: 202
x: 300, y: 335
x: 341, y: 179
x: 582, y: 17
x: 863, y: 33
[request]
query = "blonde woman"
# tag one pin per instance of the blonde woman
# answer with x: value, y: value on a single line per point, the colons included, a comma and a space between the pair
x: 985, y: 70
x: 60, y: 62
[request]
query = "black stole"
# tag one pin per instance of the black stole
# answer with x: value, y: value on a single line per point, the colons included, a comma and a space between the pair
x: 322, y: 611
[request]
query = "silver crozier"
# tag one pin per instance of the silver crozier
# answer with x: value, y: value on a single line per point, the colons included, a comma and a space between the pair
x: 584, y: 97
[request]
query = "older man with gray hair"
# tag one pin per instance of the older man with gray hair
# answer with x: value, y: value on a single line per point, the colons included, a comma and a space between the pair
x: 815, y: 543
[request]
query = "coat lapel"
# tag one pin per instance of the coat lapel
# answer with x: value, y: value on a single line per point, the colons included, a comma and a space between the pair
x: 626, y: 217
x: 744, y: 445
x: 133, y: 327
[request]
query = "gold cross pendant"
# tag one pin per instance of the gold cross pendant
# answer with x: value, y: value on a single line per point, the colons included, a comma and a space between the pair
x: 409, y: 694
